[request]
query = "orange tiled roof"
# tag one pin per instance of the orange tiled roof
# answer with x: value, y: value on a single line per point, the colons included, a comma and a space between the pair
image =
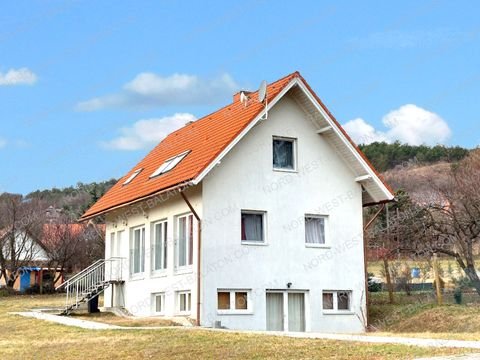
x: 205, y: 138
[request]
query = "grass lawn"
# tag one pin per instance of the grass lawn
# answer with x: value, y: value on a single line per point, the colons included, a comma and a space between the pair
x: 109, y: 318
x: 26, y: 338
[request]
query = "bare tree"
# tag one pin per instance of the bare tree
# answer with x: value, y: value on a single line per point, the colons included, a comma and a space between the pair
x: 455, y: 217
x: 444, y: 220
x: 62, y: 240
x: 19, y: 225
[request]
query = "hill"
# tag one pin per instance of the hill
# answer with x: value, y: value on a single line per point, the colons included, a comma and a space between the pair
x: 73, y: 200
x: 388, y: 156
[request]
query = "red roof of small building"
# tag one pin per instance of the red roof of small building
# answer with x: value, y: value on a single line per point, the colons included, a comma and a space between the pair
x: 205, y: 139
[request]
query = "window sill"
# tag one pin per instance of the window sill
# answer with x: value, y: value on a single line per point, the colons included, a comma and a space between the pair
x: 319, y: 246
x: 183, y: 313
x: 158, y: 274
x: 338, y: 312
x: 295, y: 171
x: 234, y: 312
x: 183, y: 270
x: 137, y: 277
x: 254, y: 243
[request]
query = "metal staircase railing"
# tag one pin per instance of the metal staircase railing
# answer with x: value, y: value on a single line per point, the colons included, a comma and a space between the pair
x: 91, y: 282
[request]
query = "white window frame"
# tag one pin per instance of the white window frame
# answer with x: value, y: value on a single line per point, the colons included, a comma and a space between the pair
x: 188, y: 250
x: 154, y: 303
x: 163, y: 245
x: 188, y: 301
x: 326, y: 224
x: 132, y: 176
x: 169, y: 164
x: 264, y: 226
x: 335, y: 309
x: 142, y: 251
x: 292, y: 140
x: 232, y: 310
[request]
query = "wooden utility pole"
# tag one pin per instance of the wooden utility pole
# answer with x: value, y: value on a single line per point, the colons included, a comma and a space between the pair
x: 437, y: 279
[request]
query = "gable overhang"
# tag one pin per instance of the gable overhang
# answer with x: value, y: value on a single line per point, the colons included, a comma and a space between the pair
x: 375, y: 190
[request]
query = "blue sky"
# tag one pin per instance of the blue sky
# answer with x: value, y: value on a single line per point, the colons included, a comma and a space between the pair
x: 87, y: 88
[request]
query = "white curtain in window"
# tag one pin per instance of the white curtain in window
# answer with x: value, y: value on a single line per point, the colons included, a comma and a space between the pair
x: 296, y: 312
x: 252, y: 227
x: 283, y: 154
x: 182, y: 241
x: 314, y: 230
x: 158, y: 246
x: 136, y: 249
x: 275, y: 311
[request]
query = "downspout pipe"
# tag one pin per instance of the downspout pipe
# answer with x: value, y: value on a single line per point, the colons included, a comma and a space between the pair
x: 199, y: 247
x: 367, y: 225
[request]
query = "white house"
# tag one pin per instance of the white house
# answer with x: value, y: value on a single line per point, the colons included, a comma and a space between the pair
x: 249, y: 218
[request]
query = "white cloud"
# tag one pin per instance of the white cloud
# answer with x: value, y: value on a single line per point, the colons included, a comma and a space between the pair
x: 408, y: 124
x: 22, y: 76
x: 149, y: 89
x: 3, y: 143
x: 149, y: 132
x: 363, y: 133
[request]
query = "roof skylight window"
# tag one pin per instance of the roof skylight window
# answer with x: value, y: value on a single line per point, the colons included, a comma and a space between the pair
x: 169, y: 164
x: 131, y: 177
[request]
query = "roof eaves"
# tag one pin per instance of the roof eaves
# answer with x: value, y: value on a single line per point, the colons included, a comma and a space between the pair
x: 183, y: 185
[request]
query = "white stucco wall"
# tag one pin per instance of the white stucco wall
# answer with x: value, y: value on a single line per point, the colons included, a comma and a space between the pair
x: 323, y: 185
x: 136, y: 295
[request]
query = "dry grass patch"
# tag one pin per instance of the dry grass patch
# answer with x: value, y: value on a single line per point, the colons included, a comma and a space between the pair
x: 27, y: 338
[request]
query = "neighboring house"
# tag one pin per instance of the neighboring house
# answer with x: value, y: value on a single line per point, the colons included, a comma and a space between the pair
x: 245, y: 220
x: 32, y: 257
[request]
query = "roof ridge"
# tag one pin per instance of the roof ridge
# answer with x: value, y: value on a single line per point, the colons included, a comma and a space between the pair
x: 294, y: 74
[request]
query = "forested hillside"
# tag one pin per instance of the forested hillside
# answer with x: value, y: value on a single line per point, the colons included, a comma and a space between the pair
x: 73, y: 200
x: 387, y: 156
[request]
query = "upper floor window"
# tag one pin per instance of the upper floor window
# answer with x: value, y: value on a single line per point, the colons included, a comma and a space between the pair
x: 169, y: 164
x: 137, y: 250
x: 253, y: 226
x: 284, y: 153
x: 315, y: 226
x: 159, y: 246
x: 185, y: 240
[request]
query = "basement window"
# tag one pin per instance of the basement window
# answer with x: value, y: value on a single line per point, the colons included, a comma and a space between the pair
x: 159, y: 303
x: 184, y: 302
x: 337, y: 301
x: 133, y: 176
x: 169, y: 164
x: 233, y: 301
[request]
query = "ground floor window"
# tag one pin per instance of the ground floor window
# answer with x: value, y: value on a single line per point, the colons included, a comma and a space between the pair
x: 137, y: 250
x: 159, y: 303
x: 336, y: 300
x: 233, y: 301
x: 184, y: 302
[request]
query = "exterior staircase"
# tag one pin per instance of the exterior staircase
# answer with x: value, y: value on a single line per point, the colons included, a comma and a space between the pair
x: 91, y: 282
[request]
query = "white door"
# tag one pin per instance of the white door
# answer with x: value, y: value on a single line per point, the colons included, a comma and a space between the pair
x: 296, y: 312
x: 275, y: 311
